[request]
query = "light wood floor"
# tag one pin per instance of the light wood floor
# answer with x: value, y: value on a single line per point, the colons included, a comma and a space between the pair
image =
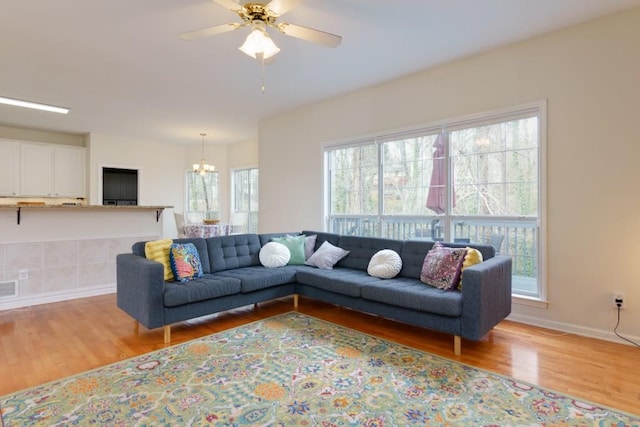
x: 47, y: 342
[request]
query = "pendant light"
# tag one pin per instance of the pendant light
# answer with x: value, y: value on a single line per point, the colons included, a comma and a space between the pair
x: 203, y: 168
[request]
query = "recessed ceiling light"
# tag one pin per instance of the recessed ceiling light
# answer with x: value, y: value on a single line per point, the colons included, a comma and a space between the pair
x: 34, y: 105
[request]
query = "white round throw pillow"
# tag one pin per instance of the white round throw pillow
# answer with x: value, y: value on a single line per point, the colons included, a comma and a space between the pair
x: 385, y: 264
x: 274, y: 254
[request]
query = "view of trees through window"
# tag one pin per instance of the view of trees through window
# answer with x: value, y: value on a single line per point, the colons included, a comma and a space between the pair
x: 245, y: 197
x: 202, y: 196
x: 472, y: 182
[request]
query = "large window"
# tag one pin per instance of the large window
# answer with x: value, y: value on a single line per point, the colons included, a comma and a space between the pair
x: 202, y: 197
x: 475, y: 180
x: 244, y: 215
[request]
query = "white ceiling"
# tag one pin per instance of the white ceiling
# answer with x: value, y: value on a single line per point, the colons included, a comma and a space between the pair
x: 121, y: 68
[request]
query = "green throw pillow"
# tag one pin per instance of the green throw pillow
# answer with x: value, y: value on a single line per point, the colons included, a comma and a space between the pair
x: 296, y: 247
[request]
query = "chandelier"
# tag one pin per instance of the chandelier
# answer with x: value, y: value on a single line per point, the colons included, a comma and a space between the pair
x: 203, y: 168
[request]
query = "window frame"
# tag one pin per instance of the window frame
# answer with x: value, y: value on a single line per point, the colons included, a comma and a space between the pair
x: 539, y: 221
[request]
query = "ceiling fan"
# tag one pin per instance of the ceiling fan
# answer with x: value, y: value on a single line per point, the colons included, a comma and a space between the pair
x: 260, y: 16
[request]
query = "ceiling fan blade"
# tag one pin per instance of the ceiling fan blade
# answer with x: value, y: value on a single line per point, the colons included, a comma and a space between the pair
x: 309, y: 34
x: 229, y: 4
x: 210, y: 31
x: 280, y: 7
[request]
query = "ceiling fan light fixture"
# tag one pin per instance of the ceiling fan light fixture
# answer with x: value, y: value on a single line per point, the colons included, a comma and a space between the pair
x: 258, y: 42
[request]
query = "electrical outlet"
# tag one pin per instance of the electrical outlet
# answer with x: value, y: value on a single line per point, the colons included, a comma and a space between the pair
x: 616, y: 297
x: 23, y: 274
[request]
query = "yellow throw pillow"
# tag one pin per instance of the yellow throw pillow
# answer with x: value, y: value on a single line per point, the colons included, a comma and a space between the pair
x: 472, y: 257
x: 158, y: 250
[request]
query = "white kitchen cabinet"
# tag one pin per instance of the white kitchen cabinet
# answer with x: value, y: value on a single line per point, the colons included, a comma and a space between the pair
x: 48, y: 170
x: 36, y: 170
x: 69, y: 172
x: 9, y: 168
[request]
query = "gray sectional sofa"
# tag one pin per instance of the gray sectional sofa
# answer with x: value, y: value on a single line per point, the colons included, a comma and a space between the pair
x: 234, y: 277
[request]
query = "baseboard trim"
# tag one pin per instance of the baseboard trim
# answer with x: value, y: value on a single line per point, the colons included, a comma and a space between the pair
x: 50, y: 297
x: 573, y: 329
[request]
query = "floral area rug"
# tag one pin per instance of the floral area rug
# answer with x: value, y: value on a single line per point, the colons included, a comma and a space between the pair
x: 295, y: 370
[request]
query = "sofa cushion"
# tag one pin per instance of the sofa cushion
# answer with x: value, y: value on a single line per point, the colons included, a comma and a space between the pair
x: 309, y: 245
x: 361, y: 249
x: 487, y: 251
x: 442, y: 266
x: 259, y: 277
x: 234, y: 251
x: 412, y: 254
x: 413, y: 294
x: 204, y: 288
x: 345, y: 281
x: 322, y: 237
x: 414, y: 251
x: 268, y: 237
x: 158, y: 250
x: 274, y: 254
x: 326, y: 256
x: 385, y: 264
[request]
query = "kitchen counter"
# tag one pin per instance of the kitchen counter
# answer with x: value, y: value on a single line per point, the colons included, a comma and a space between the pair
x: 20, y: 206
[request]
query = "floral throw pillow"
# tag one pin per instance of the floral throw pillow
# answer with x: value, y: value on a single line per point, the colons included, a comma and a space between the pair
x: 185, y: 262
x: 441, y: 267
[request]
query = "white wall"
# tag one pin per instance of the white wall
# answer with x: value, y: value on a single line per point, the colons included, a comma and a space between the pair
x: 160, y: 171
x: 589, y: 75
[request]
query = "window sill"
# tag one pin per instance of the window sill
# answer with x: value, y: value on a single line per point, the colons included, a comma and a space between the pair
x: 529, y: 301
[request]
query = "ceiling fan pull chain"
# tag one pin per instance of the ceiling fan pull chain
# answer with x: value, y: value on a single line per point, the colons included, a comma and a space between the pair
x: 262, y: 70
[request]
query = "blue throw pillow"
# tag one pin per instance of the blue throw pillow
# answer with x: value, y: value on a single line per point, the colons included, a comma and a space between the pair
x: 185, y: 261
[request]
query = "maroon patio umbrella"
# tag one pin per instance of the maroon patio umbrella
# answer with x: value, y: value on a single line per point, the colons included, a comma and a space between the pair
x: 437, y: 196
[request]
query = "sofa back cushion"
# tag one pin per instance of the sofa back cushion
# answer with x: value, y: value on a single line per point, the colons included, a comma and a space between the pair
x: 361, y: 249
x: 322, y: 237
x: 138, y: 248
x: 268, y: 237
x: 414, y: 251
x: 487, y: 251
x: 234, y: 251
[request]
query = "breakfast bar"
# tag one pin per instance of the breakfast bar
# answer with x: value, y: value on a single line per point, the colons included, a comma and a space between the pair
x: 58, y: 252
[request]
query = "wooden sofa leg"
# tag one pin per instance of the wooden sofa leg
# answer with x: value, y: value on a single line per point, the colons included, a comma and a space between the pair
x: 295, y: 301
x: 457, y: 345
x: 167, y: 334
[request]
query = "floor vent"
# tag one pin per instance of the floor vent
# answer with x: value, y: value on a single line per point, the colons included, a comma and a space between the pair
x: 8, y: 289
